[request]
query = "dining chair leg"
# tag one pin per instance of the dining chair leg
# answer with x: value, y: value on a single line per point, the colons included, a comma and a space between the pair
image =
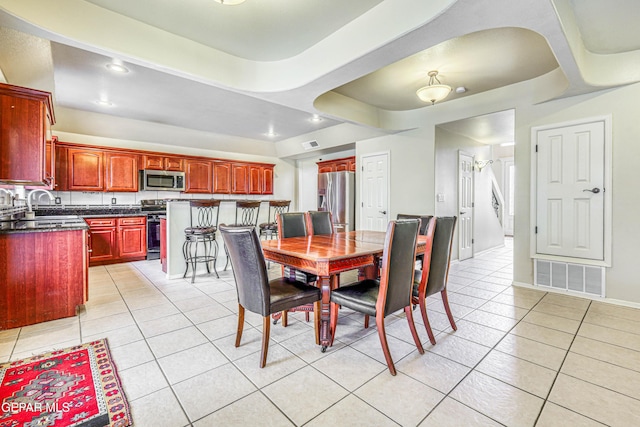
x: 240, y: 324
x: 412, y: 326
x: 366, y: 321
x: 285, y: 318
x: 445, y: 301
x: 425, y: 320
x: 334, y: 322
x: 266, y: 328
x: 306, y: 316
x: 385, y: 346
x: 316, y: 320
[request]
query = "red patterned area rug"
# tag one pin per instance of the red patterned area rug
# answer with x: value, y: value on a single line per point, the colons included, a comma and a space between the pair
x: 77, y: 386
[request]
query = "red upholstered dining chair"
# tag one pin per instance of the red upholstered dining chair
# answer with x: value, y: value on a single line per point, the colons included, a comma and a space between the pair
x: 435, y: 269
x: 390, y: 293
x: 256, y: 292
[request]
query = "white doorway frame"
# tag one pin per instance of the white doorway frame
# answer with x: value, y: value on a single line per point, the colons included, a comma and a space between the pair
x: 507, y: 191
x: 459, y: 207
x: 608, y: 161
x: 361, y: 186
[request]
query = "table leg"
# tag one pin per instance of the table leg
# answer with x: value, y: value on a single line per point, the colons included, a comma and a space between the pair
x: 326, y: 285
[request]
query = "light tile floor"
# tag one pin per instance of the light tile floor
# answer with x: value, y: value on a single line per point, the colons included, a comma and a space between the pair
x: 520, y: 357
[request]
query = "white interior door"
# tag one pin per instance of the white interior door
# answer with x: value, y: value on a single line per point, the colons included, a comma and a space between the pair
x: 375, y: 192
x: 508, y: 184
x: 570, y: 191
x: 465, y: 205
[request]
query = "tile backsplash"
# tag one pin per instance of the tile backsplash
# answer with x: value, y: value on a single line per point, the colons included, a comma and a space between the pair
x: 100, y: 198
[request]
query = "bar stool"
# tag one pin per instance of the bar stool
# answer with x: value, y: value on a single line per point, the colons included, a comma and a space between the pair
x: 201, y: 236
x: 247, y: 212
x: 269, y: 229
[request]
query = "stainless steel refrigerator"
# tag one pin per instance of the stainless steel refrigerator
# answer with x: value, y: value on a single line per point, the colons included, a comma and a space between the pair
x: 336, y: 195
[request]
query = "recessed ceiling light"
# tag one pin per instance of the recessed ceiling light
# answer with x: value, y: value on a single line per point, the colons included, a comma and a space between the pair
x: 461, y: 89
x: 229, y: 2
x: 271, y: 134
x: 104, y: 103
x: 117, y: 68
x: 316, y: 118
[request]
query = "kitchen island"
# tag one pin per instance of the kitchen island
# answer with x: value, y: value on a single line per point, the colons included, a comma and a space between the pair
x: 44, y: 268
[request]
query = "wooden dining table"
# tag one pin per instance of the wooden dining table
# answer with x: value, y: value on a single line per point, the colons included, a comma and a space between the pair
x: 327, y: 256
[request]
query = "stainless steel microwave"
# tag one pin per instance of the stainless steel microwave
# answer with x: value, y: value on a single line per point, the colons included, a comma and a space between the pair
x: 151, y: 180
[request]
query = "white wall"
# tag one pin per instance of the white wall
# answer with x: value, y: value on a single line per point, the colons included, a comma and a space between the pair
x: 411, y: 169
x: 621, y: 278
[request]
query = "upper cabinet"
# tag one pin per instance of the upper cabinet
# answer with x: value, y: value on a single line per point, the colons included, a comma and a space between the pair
x: 79, y: 169
x: 199, y: 175
x: 165, y: 163
x: 337, y: 165
x: 222, y: 177
x: 89, y: 168
x: 260, y: 179
x: 121, y: 172
x: 26, y: 116
x: 239, y: 178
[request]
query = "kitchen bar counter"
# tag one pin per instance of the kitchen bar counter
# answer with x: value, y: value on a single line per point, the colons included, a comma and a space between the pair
x: 43, y: 224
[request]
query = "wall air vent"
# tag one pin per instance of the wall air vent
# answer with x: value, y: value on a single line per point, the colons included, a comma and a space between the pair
x: 585, y: 279
x: 308, y: 145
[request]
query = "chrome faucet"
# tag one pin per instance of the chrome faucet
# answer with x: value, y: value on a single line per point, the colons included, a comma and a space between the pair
x: 30, y: 196
x: 8, y: 193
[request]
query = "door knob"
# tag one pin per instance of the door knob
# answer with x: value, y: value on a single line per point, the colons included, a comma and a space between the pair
x: 462, y: 213
x: 383, y: 212
x: 594, y: 190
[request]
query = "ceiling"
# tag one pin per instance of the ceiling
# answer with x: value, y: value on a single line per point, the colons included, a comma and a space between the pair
x: 252, y: 77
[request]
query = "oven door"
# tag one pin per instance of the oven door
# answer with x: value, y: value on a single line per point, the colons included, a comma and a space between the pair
x: 153, y: 237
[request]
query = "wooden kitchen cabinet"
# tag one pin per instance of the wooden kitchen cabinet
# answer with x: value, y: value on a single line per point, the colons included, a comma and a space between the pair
x: 115, y: 240
x: 103, y: 242
x: 255, y: 179
x: 26, y: 117
x: 47, y: 279
x: 260, y: 179
x: 222, y: 177
x: 337, y: 165
x: 166, y: 163
x: 267, y: 179
x: 132, y: 238
x: 199, y: 176
x: 239, y: 178
x: 84, y: 169
x: 121, y: 172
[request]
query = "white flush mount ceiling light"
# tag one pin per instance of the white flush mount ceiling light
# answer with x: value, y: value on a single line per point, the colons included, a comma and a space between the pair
x: 117, y: 68
x: 434, y: 91
x: 229, y: 2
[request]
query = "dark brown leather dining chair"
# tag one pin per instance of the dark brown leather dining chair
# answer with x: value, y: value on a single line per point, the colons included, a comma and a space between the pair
x: 424, y: 222
x: 391, y: 292
x: 256, y: 292
x: 435, y: 270
x: 293, y: 224
x: 319, y: 223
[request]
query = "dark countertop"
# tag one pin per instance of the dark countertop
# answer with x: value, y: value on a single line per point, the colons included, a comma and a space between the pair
x: 43, y: 224
x: 92, y: 212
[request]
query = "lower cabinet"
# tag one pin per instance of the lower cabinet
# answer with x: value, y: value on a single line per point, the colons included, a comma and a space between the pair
x: 114, y: 240
x: 43, y: 276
